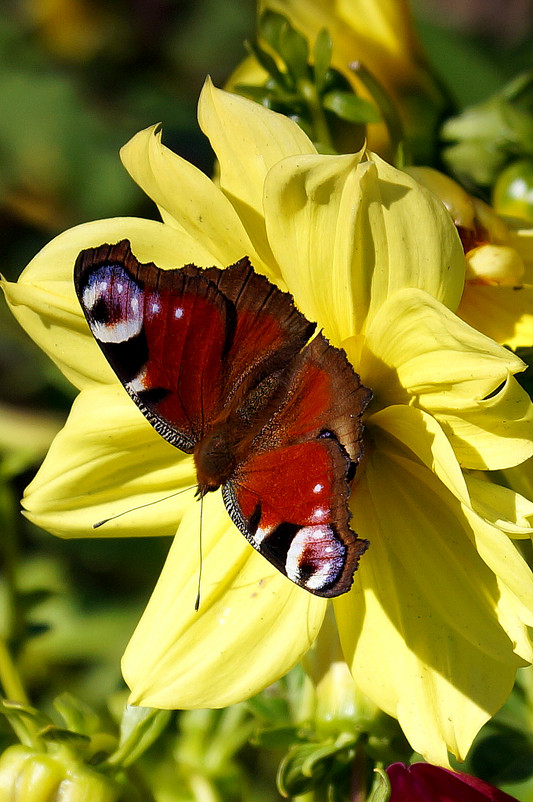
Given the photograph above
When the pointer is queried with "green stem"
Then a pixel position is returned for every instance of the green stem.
(9, 676)
(202, 789)
(358, 784)
(308, 91)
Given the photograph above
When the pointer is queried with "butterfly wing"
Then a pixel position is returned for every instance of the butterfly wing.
(290, 496)
(164, 333)
(184, 341)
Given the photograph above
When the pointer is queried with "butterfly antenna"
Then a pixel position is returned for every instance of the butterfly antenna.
(140, 507)
(197, 602)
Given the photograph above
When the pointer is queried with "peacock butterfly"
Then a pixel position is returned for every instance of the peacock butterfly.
(225, 367)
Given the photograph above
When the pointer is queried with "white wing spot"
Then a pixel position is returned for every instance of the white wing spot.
(303, 553)
(318, 488)
(178, 312)
(319, 514)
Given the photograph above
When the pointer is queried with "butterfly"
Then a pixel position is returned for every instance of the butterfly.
(225, 367)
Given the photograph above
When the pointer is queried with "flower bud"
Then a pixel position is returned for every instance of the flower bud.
(30, 776)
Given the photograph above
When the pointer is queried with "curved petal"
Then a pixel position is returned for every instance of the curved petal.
(520, 478)
(421, 630)
(107, 460)
(503, 508)
(252, 625)
(503, 313)
(416, 351)
(44, 302)
(310, 207)
(347, 234)
(424, 437)
(248, 140)
(188, 199)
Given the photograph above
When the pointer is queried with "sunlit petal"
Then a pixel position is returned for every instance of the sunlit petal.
(416, 351)
(248, 140)
(199, 208)
(430, 655)
(253, 624)
(500, 506)
(503, 313)
(108, 459)
(384, 232)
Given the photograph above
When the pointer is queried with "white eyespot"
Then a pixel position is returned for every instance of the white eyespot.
(113, 302)
(93, 292)
(307, 551)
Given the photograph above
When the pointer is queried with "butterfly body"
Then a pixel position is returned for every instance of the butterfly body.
(226, 368)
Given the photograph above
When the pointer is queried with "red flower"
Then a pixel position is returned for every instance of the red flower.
(423, 782)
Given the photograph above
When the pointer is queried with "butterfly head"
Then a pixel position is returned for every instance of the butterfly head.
(215, 459)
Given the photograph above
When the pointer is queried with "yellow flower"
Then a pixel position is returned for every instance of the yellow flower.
(498, 293)
(435, 625)
(381, 36)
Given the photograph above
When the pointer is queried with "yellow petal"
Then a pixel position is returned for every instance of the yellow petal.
(252, 626)
(500, 506)
(514, 577)
(311, 204)
(495, 264)
(44, 302)
(522, 240)
(503, 313)
(425, 438)
(416, 351)
(187, 198)
(108, 459)
(421, 629)
(520, 478)
(248, 140)
(347, 234)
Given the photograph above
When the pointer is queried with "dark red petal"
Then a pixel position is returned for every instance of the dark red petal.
(423, 782)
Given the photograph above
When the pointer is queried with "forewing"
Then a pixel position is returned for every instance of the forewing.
(269, 330)
(165, 333)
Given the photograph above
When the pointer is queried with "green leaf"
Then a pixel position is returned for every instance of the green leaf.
(139, 728)
(349, 107)
(276, 737)
(322, 58)
(294, 50)
(54, 734)
(309, 765)
(270, 27)
(266, 61)
(76, 714)
(260, 94)
(381, 787)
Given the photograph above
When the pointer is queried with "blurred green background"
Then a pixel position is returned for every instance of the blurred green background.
(77, 79)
